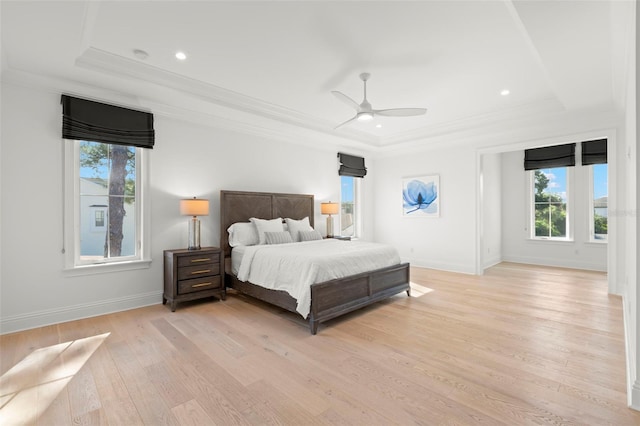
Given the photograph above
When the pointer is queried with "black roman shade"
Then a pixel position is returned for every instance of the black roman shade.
(550, 156)
(594, 152)
(94, 121)
(351, 165)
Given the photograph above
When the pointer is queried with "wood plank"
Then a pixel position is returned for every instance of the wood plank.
(521, 344)
(191, 413)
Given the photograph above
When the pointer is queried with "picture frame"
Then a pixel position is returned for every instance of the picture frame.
(421, 196)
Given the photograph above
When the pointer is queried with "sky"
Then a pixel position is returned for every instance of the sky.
(600, 180)
(558, 181)
(347, 188)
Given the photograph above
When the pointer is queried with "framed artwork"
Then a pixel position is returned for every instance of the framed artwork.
(421, 196)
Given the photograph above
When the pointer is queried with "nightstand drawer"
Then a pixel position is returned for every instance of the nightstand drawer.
(198, 271)
(199, 284)
(192, 275)
(198, 259)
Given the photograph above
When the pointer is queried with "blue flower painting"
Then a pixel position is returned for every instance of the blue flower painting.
(420, 196)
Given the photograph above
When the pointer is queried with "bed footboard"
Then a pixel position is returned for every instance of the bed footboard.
(333, 298)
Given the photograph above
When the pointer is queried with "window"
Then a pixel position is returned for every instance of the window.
(349, 206)
(99, 214)
(105, 185)
(99, 219)
(550, 207)
(598, 201)
(104, 188)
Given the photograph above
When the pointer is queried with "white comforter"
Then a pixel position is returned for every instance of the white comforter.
(294, 267)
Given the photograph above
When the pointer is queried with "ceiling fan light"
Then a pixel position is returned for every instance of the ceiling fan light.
(365, 116)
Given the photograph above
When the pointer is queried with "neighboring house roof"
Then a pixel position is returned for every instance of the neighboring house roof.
(600, 202)
(99, 181)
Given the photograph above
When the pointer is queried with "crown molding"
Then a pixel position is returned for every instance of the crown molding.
(207, 105)
(519, 130)
(220, 117)
(478, 121)
(134, 70)
(121, 67)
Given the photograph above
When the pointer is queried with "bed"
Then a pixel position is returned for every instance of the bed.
(329, 299)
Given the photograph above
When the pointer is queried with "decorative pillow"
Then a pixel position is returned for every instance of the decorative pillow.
(277, 237)
(264, 225)
(243, 234)
(310, 235)
(295, 226)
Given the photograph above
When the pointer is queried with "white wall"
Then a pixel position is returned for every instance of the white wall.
(516, 244)
(491, 203)
(188, 160)
(631, 294)
(447, 242)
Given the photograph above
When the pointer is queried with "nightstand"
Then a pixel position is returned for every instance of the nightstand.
(192, 274)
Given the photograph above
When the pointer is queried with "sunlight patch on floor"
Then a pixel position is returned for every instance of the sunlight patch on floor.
(30, 386)
(418, 290)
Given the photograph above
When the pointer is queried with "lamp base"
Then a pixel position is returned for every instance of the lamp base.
(194, 234)
(329, 226)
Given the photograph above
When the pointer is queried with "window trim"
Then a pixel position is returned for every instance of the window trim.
(71, 216)
(531, 206)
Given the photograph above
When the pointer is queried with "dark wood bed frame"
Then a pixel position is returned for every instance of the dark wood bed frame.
(329, 299)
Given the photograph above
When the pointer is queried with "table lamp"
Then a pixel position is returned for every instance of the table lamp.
(329, 208)
(194, 207)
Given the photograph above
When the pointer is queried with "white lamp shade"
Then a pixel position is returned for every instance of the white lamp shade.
(194, 207)
(329, 208)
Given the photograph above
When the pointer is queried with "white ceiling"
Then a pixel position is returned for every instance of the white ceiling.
(279, 61)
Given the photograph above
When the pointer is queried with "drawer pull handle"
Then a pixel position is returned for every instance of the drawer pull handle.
(200, 260)
(200, 285)
(204, 271)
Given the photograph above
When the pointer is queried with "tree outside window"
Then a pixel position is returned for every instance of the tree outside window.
(550, 203)
(108, 176)
(599, 202)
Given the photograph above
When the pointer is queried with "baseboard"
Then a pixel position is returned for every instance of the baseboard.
(71, 313)
(488, 263)
(442, 266)
(635, 396)
(633, 385)
(559, 263)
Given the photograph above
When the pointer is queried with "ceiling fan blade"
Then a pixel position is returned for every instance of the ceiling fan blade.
(400, 112)
(347, 100)
(346, 122)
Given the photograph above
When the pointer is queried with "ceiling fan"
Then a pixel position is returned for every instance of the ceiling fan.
(364, 111)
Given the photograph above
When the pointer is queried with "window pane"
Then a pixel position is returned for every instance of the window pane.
(92, 236)
(99, 218)
(542, 220)
(107, 201)
(347, 206)
(600, 201)
(129, 228)
(550, 203)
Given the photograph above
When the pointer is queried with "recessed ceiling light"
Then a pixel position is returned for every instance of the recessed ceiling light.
(181, 56)
(379, 126)
(140, 54)
(505, 92)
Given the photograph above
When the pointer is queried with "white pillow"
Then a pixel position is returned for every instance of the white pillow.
(264, 225)
(295, 226)
(243, 234)
(310, 235)
(278, 237)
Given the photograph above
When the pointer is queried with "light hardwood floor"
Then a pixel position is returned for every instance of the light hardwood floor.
(519, 345)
